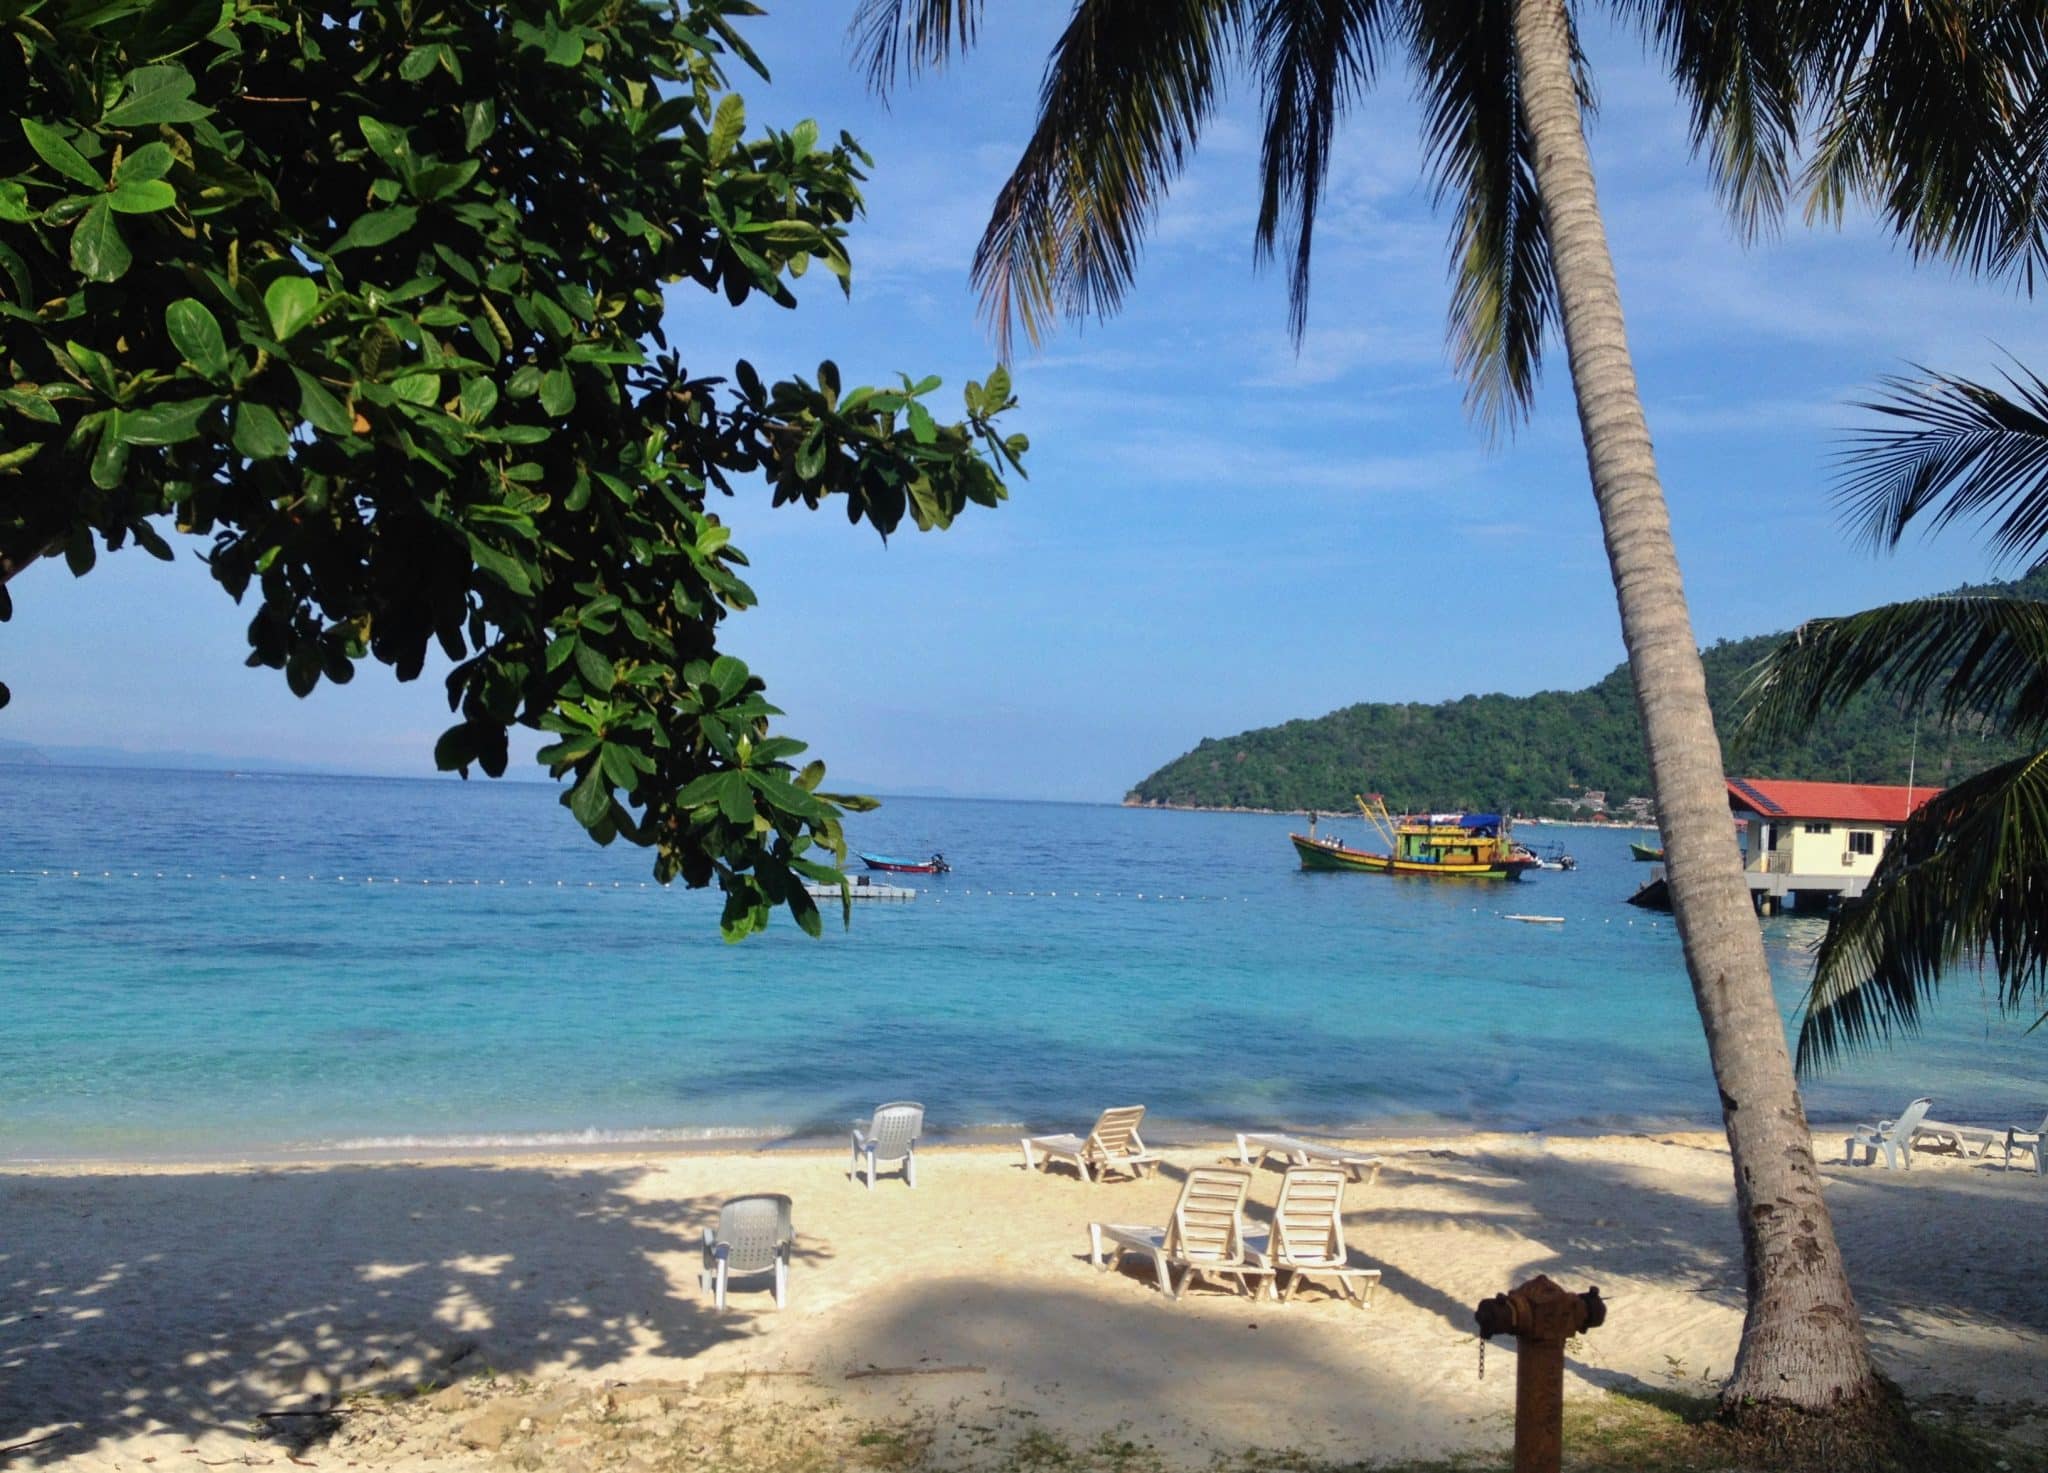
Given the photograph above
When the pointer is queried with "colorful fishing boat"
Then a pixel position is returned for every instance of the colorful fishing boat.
(1645, 853)
(936, 865)
(1438, 846)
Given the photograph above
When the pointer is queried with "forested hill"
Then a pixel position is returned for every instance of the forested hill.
(1522, 752)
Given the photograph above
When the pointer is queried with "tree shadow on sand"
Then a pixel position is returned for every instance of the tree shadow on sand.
(131, 1312)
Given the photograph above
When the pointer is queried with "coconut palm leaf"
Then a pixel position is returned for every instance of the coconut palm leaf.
(1316, 57)
(1125, 94)
(1738, 65)
(1936, 118)
(1977, 657)
(896, 37)
(1478, 153)
(1965, 878)
(1970, 450)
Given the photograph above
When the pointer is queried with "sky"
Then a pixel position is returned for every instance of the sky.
(1220, 529)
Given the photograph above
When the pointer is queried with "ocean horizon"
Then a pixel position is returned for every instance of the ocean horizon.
(207, 964)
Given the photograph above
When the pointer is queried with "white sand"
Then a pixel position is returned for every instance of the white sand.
(153, 1311)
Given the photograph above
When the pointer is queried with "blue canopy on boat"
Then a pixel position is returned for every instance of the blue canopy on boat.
(1481, 821)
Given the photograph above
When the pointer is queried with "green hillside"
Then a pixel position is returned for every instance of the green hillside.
(1524, 752)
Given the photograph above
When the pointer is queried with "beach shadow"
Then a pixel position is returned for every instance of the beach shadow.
(131, 1312)
(1593, 1222)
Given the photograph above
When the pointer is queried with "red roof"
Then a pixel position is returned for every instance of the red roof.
(1846, 802)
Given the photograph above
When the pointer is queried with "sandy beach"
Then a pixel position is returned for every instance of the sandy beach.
(166, 1316)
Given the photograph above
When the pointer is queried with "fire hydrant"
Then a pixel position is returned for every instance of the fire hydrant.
(1541, 1316)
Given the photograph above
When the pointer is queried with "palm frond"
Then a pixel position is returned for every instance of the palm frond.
(1737, 65)
(1981, 657)
(1315, 56)
(1971, 450)
(893, 38)
(1126, 91)
(1481, 160)
(1934, 115)
(1965, 879)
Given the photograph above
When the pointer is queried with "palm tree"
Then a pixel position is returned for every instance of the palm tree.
(1967, 876)
(1126, 91)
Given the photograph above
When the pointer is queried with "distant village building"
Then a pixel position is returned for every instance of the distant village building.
(1808, 843)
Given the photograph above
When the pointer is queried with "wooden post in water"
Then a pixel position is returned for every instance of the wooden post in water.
(1541, 1316)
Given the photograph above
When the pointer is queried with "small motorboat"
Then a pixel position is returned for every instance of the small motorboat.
(936, 865)
(1645, 853)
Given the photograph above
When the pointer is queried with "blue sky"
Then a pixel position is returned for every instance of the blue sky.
(1219, 531)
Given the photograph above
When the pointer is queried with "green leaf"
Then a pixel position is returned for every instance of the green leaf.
(110, 462)
(98, 253)
(156, 94)
(165, 424)
(55, 150)
(142, 196)
(31, 406)
(423, 389)
(565, 48)
(735, 797)
(151, 161)
(810, 455)
(378, 227)
(726, 127)
(419, 61)
(320, 407)
(291, 302)
(14, 203)
(595, 668)
(506, 569)
(591, 799)
(389, 144)
(921, 427)
(195, 332)
(479, 397)
(258, 433)
(557, 392)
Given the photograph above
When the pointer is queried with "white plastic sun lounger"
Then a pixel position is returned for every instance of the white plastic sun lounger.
(1964, 1140)
(1204, 1239)
(1893, 1137)
(1113, 1145)
(1292, 1148)
(1308, 1234)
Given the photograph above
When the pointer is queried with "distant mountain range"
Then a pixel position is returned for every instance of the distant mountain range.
(1524, 753)
(26, 754)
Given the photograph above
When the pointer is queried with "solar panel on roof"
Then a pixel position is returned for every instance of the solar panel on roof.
(1756, 798)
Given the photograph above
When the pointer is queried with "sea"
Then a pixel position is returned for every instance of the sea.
(219, 965)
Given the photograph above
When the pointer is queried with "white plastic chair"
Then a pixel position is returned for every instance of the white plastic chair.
(2027, 1140)
(753, 1236)
(1893, 1137)
(891, 1136)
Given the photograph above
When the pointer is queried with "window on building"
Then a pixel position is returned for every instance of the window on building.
(1820, 828)
(1862, 841)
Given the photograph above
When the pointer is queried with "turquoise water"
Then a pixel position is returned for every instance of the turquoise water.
(268, 963)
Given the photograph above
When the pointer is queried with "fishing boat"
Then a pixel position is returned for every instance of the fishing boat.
(1645, 853)
(936, 865)
(1438, 846)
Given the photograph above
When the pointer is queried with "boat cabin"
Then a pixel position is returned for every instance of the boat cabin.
(1449, 838)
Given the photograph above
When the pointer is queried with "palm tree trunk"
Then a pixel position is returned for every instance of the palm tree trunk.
(1802, 1341)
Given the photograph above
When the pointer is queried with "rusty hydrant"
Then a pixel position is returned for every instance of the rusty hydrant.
(1541, 1316)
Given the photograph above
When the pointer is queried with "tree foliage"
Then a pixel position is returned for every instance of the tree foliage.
(368, 295)
(1966, 879)
(1523, 752)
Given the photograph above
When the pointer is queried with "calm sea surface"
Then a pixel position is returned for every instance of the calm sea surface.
(281, 963)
